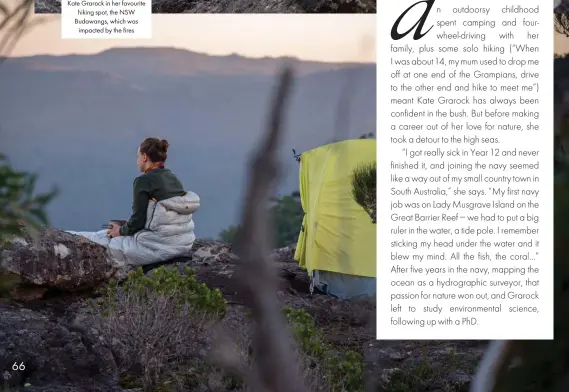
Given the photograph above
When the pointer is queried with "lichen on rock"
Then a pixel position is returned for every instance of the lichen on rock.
(57, 260)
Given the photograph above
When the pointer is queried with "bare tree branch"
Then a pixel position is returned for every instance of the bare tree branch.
(14, 23)
(275, 364)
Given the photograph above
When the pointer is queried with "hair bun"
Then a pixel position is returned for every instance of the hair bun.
(163, 145)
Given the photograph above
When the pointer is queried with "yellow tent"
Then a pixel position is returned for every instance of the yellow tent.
(337, 235)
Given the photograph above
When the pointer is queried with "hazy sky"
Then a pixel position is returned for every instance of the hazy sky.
(311, 37)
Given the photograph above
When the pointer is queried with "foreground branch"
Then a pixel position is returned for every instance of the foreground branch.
(15, 22)
(275, 365)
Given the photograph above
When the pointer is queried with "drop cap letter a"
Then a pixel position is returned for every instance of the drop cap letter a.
(395, 35)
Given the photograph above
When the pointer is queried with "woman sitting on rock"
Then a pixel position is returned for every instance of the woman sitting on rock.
(161, 226)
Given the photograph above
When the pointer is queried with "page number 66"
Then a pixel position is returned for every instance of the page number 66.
(21, 366)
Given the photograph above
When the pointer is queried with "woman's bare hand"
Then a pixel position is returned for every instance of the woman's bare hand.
(114, 230)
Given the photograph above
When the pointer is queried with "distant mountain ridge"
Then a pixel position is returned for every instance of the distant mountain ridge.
(166, 61)
(77, 120)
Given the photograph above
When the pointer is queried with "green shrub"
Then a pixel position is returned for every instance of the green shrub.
(344, 369)
(21, 210)
(156, 322)
(364, 188)
(183, 289)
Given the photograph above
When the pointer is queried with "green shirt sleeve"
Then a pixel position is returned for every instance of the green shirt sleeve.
(140, 198)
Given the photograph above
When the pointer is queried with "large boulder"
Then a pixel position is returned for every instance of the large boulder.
(56, 260)
(63, 261)
(53, 355)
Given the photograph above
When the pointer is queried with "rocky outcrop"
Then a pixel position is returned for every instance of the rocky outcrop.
(266, 6)
(62, 350)
(56, 260)
(412, 365)
(59, 260)
(211, 251)
(284, 254)
(52, 356)
(239, 6)
(47, 6)
(339, 6)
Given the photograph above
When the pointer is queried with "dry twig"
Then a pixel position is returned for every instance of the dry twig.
(151, 331)
(14, 23)
(275, 363)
